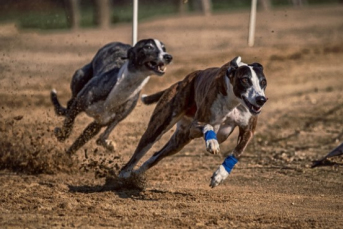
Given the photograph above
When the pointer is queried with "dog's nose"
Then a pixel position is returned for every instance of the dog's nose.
(167, 58)
(260, 100)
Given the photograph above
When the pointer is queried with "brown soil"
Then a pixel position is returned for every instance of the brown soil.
(272, 186)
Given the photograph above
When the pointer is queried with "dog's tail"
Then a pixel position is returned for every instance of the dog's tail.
(59, 110)
(150, 99)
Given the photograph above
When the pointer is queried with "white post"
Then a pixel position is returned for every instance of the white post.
(252, 23)
(134, 22)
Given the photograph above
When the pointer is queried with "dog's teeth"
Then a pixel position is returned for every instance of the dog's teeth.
(257, 109)
(162, 68)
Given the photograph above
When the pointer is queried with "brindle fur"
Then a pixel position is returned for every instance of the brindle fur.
(187, 103)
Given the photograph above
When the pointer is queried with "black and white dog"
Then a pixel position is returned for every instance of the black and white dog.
(108, 88)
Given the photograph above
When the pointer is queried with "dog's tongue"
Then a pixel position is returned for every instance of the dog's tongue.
(256, 109)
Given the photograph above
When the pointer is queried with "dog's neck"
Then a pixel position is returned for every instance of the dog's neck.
(225, 102)
(232, 101)
(129, 84)
(128, 73)
(131, 66)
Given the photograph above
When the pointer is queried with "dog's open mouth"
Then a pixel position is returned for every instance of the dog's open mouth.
(159, 68)
(255, 110)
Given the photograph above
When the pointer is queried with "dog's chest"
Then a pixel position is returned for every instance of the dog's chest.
(221, 107)
(126, 88)
(239, 115)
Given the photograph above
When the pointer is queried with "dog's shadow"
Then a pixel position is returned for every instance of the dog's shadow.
(134, 188)
(124, 188)
(325, 163)
(121, 192)
(125, 193)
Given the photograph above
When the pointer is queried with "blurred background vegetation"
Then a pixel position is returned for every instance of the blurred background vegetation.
(66, 14)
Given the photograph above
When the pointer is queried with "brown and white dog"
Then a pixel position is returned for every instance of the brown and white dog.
(208, 103)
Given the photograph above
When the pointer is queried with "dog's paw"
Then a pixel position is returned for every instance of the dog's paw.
(107, 144)
(124, 174)
(212, 146)
(218, 176)
(136, 182)
(211, 141)
(60, 135)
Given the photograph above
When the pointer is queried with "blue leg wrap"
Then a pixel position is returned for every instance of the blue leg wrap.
(210, 134)
(229, 163)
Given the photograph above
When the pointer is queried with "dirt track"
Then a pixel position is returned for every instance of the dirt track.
(271, 187)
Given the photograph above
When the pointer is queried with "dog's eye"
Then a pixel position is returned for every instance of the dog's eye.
(149, 47)
(263, 83)
(164, 48)
(244, 80)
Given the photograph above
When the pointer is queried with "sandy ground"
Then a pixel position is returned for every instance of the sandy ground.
(272, 186)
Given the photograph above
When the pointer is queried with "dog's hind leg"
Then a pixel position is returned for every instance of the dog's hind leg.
(59, 109)
(171, 107)
(151, 135)
(163, 118)
(63, 133)
(91, 130)
(180, 138)
(79, 80)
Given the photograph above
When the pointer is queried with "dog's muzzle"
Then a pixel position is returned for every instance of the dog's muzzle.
(159, 66)
(256, 108)
(168, 58)
(261, 100)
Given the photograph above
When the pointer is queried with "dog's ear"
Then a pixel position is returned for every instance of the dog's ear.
(256, 65)
(230, 71)
(234, 63)
(131, 54)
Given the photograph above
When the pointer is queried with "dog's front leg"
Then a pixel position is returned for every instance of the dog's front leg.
(211, 140)
(199, 129)
(245, 135)
(103, 138)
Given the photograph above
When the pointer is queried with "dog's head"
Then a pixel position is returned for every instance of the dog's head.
(149, 56)
(248, 83)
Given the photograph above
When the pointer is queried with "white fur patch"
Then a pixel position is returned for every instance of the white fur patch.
(212, 146)
(127, 86)
(239, 62)
(223, 105)
(255, 90)
(218, 176)
(240, 115)
(206, 128)
(159, 46)
(124, 174)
